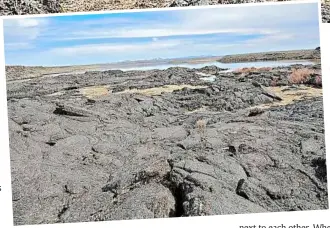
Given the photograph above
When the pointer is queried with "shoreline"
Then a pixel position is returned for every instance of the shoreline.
(16, 72)
(308, 54)
(82, 70)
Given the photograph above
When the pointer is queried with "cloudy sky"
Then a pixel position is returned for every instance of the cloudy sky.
(105, 38)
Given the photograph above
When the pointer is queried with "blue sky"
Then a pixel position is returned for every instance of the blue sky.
(113, 37)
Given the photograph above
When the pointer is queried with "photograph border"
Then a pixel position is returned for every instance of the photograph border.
(287, 218)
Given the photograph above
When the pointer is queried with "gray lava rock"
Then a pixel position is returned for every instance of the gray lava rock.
(325, 11)
(195, 151)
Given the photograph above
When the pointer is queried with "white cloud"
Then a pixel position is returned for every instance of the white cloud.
(29, 22)
(245, 20)
(22, 32)
(14, 46)
(168, 47)
(277, 26)
(111, 49)
(271, 39)
(24, 22)
(160, 32)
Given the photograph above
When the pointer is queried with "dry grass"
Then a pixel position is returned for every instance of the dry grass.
(252, 69)
(95, 91)
(27, 72)
(290, 96)
(201, 128)
(300, 76)
(159, 90)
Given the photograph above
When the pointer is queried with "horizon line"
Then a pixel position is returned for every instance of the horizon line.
(151, 59)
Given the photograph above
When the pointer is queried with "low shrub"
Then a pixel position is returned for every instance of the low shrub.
(306, 76)
(252, 69)
(300, 76)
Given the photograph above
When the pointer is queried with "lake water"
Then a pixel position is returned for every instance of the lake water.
(230, 66)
